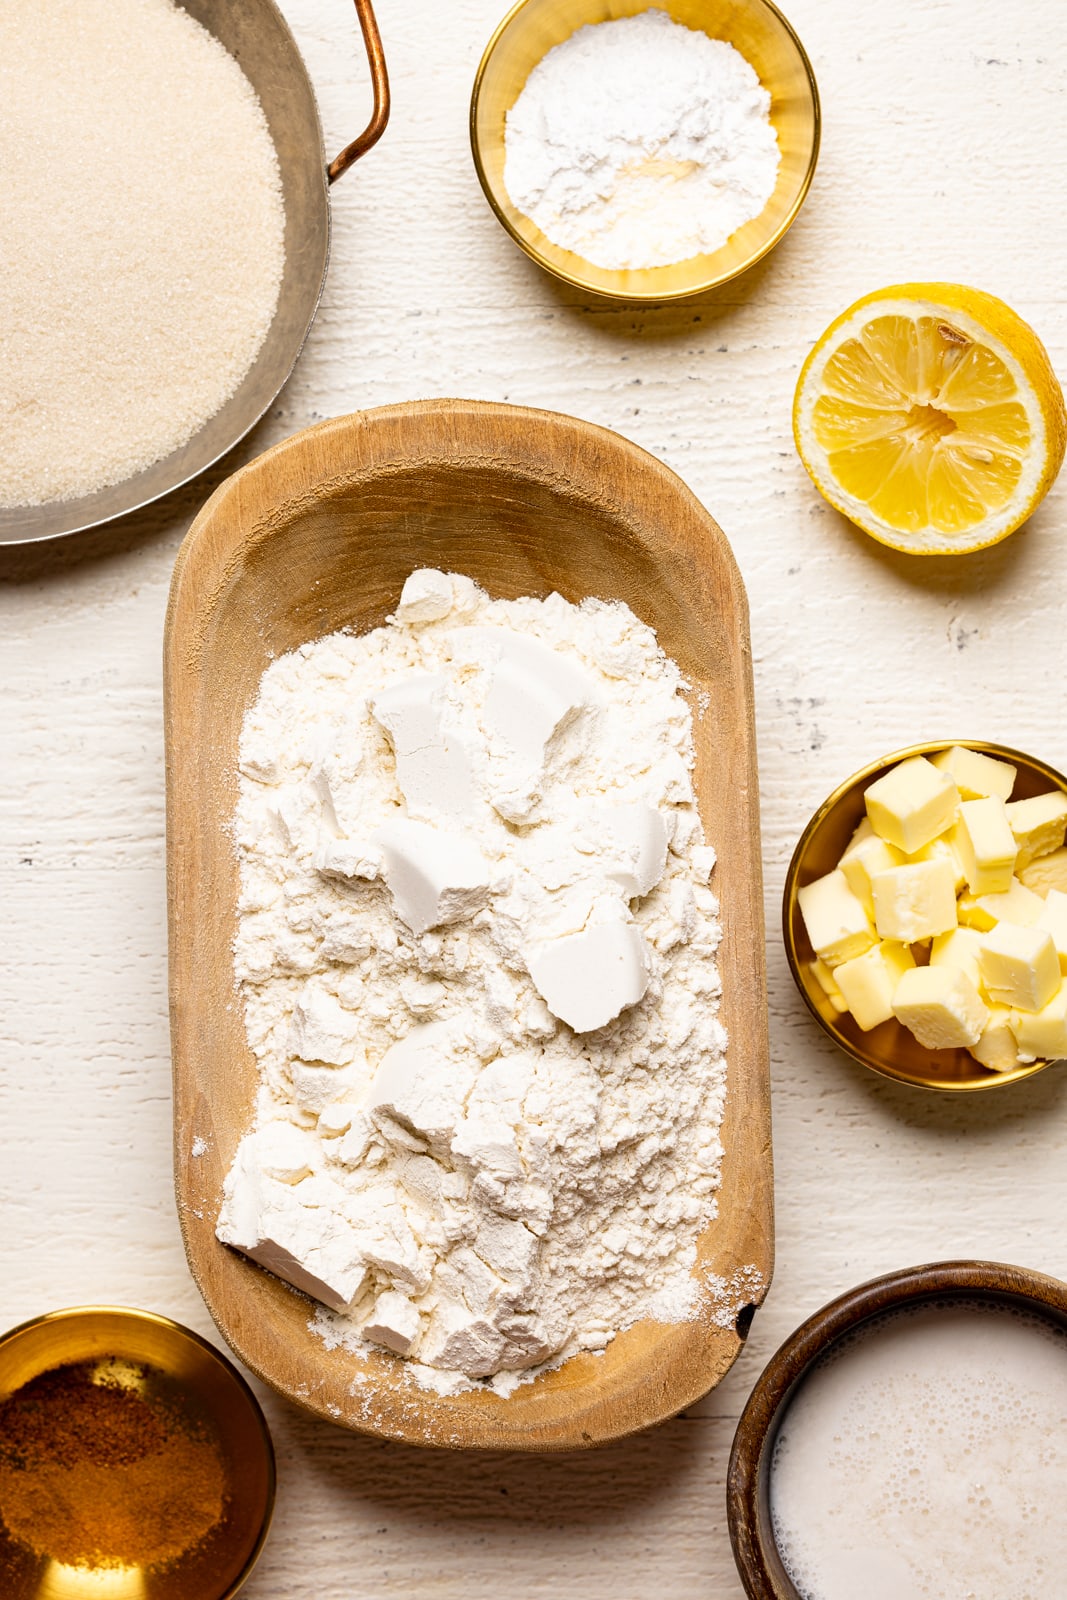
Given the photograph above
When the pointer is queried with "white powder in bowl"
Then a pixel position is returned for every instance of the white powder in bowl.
(639, 142)
(141, 236)
(461, 1176)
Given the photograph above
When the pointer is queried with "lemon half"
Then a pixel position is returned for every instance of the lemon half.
(929, 414)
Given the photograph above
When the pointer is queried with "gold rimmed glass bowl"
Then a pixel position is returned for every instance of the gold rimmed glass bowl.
(754, 27)
(890, 1049)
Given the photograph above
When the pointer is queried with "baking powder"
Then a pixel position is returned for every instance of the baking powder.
(639, 142)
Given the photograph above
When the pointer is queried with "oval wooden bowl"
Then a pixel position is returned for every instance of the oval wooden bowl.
(748, 1480)
(890, 1049)
(319, 534)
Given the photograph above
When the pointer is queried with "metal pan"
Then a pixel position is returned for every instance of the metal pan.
(257, 36)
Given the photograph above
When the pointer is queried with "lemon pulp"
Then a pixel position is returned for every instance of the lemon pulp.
(934, 426)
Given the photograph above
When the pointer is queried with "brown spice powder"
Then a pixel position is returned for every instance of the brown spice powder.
(96, 1470)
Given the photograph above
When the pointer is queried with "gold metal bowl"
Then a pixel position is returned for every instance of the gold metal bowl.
(762, 35)
(759, 1563)
(170, 1363)
(890, 1049)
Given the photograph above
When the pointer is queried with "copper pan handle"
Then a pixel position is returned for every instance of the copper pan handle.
(380, 82)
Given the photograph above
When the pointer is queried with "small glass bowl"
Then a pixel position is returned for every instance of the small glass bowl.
(890, 1049)
(763, 36)
(178, 1362)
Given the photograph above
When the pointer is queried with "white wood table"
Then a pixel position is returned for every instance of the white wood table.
(944, 156)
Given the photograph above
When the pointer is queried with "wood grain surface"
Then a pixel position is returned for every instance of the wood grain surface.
(319, 534)
(944, 156)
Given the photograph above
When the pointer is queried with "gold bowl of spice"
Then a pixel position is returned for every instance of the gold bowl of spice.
(134, 1461)
(645, 153)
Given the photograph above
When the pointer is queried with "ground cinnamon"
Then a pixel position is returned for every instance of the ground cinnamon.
(101, 1466)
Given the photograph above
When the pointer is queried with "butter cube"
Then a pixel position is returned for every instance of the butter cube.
(868, 982)
(862, 830)
(862, 860)
(986, 845)
(959, 949)
(997, 1049)
(1053, 920)
(942, 849)
(912, 804)
(916, 901)
(1019, 966)
(941, 1006)
(974, 774)
(837, 923)
(824, 977)
(1043, 1033)
(1046, 872)
(983, 911)
(1038, 824)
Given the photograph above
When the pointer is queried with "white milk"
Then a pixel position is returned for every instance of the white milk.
(925, 1458)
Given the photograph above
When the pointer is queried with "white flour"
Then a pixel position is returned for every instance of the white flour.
(459, 1175)
(639, 142)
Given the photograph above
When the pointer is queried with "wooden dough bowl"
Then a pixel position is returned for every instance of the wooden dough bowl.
(319, 534)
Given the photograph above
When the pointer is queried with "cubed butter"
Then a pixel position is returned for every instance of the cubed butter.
(1043, 1034)
(1053, 920)
(837, 923)
(986, 845)
(824, 977)
(1019, 966)
(997, 1049)
(912, 804)
(983, 911)
(862, 830)
(1038, 824)
(917, 901)
(958, 948)
(942, 849)
(862, 860)
(868, 982)
(976, 775)
(941, 1007)
(1045, 873)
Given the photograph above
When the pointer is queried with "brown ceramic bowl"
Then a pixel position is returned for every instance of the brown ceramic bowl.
(748, 1480)
(890, 1049)
(172, 1363)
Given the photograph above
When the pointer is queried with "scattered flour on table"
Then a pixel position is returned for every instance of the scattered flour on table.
(453, 831)
(640, 142)
(141, 235)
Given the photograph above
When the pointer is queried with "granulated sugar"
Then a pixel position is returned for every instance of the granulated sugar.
(141, 236)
